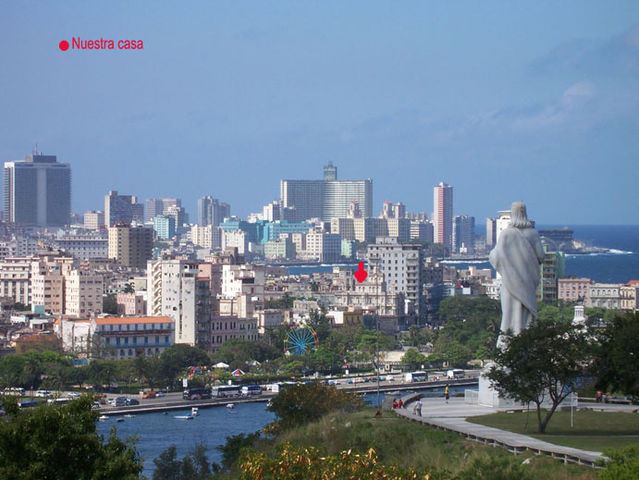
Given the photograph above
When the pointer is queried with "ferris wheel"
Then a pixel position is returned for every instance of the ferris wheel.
(300, 339)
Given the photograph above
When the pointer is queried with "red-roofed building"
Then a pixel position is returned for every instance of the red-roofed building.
(129, 337)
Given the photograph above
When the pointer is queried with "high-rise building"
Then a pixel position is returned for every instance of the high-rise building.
(327, 198)
(130, 246)
(463, 234)
(82, 294)
(37, 191)
(210, 211)
(164, 227)
(122, 209)
(491, 232)
(160, 206)
(443, 214)
(401, 267)
(174, 290)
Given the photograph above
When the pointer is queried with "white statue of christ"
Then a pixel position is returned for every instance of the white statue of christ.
(517, 257)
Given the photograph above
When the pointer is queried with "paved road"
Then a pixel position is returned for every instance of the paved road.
(452, 416)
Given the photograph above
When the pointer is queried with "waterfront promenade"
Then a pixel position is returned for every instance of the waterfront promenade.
(452, 416)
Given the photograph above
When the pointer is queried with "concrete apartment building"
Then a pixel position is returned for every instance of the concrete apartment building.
(401, 267)
(130, 246)
(94, 220)
(15, 279)
(240, 280)
(324, 247)
(37, 191)
(83, 294)
(208, 236)
(84, 245)
(574, 289)
(131, 304)
(175, 289)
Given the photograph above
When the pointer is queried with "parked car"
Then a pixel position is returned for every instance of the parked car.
(73, 395)
(132, 401)
(43, 394)
(96, 405)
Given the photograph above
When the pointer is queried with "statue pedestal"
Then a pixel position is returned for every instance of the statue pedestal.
(488, 396)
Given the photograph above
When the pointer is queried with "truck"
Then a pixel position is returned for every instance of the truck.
(455, 373)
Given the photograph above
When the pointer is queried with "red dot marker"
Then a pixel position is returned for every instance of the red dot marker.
(64, 45)
(360, 274)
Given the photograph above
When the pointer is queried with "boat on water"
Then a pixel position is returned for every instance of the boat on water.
(195, 411)
(128, 415)
(119, 419)
(184, 417)
(230, 406)
(103, 418)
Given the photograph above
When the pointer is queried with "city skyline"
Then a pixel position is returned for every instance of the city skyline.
(504, 102)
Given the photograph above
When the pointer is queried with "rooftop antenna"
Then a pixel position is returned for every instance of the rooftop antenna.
(35, 149)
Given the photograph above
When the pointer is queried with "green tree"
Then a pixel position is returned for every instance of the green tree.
(413, 359)
(238, 352)
(180, 356)
(61, 442)
(302, 403)
(109, 304)
(543, 363)
(194, 465)
(471, 322)
(616, 364)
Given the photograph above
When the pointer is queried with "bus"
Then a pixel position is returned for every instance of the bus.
(416, 377)
(248, 390)
(228, 391)
(196, 393)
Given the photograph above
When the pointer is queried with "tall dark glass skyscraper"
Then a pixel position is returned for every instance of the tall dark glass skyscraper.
(37, 191)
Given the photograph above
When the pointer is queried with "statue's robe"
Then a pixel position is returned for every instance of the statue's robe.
(517, 257)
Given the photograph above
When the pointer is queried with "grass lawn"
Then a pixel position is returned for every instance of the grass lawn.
(593, 431)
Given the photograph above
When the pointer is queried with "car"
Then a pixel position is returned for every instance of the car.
(95, 405)
(43, 394)
(160, 394)
(73, 395)
(149, 395)
(120, 402)
(132, 401)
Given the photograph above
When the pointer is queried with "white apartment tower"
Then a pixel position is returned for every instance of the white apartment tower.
(400, 264)
(175, 291)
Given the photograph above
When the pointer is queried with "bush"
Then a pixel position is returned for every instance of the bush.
(296, 463)
(623, 464)
(302, 403)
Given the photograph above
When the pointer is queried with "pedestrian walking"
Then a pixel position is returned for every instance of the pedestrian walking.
(418, 408)
(446, 393)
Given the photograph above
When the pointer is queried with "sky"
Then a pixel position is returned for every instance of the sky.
(505, 101)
